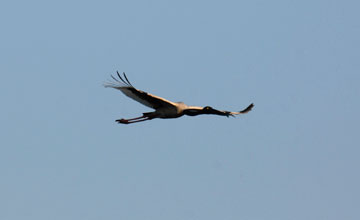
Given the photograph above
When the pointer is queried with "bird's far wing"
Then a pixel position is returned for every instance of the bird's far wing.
(246, 110)
(144, 98)
(227, 113)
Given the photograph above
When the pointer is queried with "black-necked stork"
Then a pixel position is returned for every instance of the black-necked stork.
(163, 108)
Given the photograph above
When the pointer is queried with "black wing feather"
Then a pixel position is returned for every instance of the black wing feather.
(117, 72)
(144, 98)
(127, 79)
(115, 78)
(247, 109)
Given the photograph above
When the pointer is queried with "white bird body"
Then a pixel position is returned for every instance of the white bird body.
(163, 108)
(174, 111)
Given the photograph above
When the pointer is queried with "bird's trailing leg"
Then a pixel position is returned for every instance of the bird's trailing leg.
(133, 120)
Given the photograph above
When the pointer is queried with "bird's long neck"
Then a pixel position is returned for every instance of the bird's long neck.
(193, 111)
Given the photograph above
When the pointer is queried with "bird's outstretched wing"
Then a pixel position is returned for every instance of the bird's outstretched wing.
(246, 110)
(144, 98)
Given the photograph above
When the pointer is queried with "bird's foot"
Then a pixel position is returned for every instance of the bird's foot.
(122, 121)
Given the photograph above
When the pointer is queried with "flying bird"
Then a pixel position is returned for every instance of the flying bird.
(163, 108)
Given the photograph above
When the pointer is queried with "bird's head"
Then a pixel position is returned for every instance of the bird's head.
(208, 110)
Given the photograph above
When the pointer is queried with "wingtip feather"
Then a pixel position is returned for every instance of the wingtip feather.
(247, 109)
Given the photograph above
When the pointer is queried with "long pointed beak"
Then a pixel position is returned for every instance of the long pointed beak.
(217, 112)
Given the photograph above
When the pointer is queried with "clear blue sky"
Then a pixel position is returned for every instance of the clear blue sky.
(295, 156)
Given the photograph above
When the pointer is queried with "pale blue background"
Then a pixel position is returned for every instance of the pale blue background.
(294, 157)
